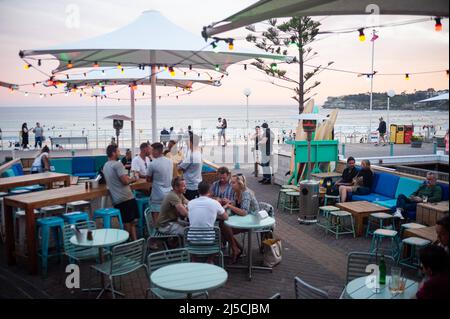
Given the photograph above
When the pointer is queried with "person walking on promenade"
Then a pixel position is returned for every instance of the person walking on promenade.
(24, 134)
(382, 130)
(38, 135)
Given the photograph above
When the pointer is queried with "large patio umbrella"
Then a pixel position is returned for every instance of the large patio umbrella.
(150, 40)
(267, 9)
(112, 76)
(441, 97)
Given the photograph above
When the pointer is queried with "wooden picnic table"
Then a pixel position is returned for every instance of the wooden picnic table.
(428, 233)
(360, 211)
(326, 175)
(31, 201)
(429, 213)
(47, 178)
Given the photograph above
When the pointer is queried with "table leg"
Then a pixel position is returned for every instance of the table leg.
(249, 253)
(359, 225)
(67, 181)
(31, 240)
(9, 233)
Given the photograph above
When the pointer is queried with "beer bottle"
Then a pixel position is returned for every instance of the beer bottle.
(382, 270)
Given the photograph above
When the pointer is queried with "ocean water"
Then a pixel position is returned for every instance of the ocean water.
(78, 121)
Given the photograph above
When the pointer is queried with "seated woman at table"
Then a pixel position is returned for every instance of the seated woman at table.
(442, 232)
(245, 203)
(41, 162)
(434, 266)
(361, 183)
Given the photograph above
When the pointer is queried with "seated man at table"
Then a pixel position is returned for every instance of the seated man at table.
(174, 209)
(442, 232)
(203, 211)
(349, 173)
(221, 189)
(434, 266)
(118, 183)
(428, 192)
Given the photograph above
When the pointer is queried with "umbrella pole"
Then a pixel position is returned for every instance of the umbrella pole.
(153, 86)
(96, 122)
(133, 138)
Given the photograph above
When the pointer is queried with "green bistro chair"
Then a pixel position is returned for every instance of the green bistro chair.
(282, 196)
(304, 290)
(125, 259)
(154, 233)
(203, 242)
(166, 258)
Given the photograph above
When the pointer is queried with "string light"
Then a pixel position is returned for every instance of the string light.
(122, 70)
(447, 73)
(119, 65)
(39, 62)
(27, 66)
(217, 68)
(172, 71)
(95, 65)
(245, 67)
(69, 64)
(362, 36)
(438, 25)
(407, 76)
(273, 66)
(41, 95)
(230, 44)
(190, 67)
(103, 91)
(26, 94)
(215, 47)
(134, 86)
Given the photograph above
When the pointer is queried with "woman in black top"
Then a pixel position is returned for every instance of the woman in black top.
(24, 133)
(361, 183)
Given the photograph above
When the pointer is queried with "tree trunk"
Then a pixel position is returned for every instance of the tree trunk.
(301, 96)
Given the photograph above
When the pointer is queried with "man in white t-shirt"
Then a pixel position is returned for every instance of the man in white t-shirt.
(204, 211)
(141, 161)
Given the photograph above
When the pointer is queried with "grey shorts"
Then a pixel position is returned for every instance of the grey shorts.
(173, 228)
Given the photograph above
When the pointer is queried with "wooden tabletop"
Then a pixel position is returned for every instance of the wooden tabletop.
(441, 207)
(326, 174)
(64, 195)
(360, 207)
(428, 233)
(7, 183)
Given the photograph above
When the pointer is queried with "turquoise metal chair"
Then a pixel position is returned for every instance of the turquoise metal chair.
(125, 259)
(379, 235)
(291, 202)
(165, 258)
(337, 223)
(106, 214)
(203, 241)
(268, 230)
(142, 203)
(154, 233)
(46, 225)
(304, 290)
(335, 198)
(323, 216)
(75, 217)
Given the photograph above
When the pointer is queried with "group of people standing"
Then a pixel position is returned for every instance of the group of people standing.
(38, 135)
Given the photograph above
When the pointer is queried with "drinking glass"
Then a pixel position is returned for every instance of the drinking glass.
(394, 282)
(425, 199)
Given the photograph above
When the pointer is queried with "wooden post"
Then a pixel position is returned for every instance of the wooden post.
(31, 240)
(9, 232)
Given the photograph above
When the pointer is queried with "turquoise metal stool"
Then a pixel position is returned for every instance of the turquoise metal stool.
(335, 198)
(416, 243)
(75, 217)
(47, 224)
(282, 196)
(336, 223)
(379, 220)
(291, 203)
(106, 214)
(53, 210)
(323, 216)
(142, 203)
(377, 241)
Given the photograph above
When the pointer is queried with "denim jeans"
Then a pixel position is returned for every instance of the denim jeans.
(38, 141)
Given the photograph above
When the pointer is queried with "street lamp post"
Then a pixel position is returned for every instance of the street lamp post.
(247, 93)
(390, 94)
(96, 93)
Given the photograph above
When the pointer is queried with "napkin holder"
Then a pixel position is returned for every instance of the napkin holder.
(262, 214)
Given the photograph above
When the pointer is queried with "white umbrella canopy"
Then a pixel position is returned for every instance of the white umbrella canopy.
(119, 117)
(267, 9)
(441, 97)
(150, 40)
(114, 76)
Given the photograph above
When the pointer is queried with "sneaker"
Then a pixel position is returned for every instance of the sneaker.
(398, 214)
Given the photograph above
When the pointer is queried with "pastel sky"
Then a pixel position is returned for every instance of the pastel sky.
(405, 49)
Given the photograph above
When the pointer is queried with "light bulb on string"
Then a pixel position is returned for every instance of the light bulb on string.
(66, 93)
(122, 70)
(41, 96)
(39, 62)
(26, 94)
(217, 68)
(407, 77)
(172, 71)
(215, 47)
(95, 65)
(134, 86)
(362, 36)
(230, 44)
(190, 67)
(273, 67)
(69, 64)
(447, 73)
(438, 24)
(119, 65)
(26, 66)
(245, 67)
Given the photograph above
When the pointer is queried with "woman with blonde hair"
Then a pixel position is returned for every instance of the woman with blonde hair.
(244, 203)
(362, 183)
